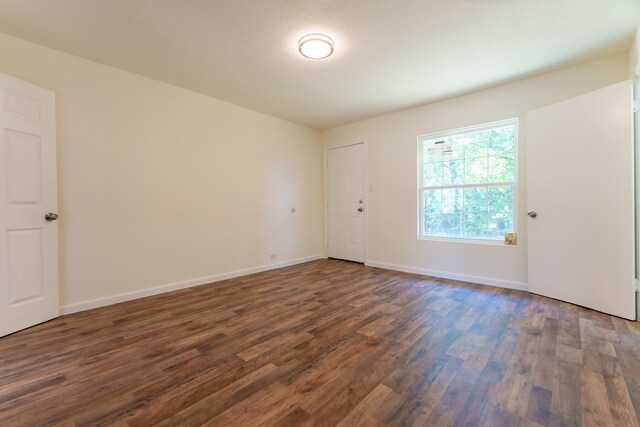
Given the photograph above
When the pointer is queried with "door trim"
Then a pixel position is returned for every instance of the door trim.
(365, 190)
(636, 189)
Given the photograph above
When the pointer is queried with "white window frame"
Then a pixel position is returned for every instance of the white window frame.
(421, 187)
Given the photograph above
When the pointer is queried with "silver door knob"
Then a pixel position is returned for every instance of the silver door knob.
(532, 214)
(359, 209)
(50, 216)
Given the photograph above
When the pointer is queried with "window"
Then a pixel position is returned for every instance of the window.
(468, 182)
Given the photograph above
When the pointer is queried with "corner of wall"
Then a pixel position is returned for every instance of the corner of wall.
(634, 55)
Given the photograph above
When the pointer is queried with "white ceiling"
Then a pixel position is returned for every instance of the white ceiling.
(389, 54)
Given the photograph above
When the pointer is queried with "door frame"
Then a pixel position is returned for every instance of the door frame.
(636, 183)
(365, 195)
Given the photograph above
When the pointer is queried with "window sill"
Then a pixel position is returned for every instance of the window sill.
(465, 240)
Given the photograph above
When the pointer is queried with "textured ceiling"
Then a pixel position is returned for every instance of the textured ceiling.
(389, 54)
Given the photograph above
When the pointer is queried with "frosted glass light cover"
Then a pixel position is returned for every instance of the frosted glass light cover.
(315, 46)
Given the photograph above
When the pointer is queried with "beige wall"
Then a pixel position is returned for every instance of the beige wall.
(159, 185)
(634, 54)
(392, 150)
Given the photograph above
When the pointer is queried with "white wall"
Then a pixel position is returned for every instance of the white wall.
(159, 185)
(392, 150)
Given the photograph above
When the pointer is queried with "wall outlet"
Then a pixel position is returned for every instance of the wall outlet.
(273, 257)
(511, 238)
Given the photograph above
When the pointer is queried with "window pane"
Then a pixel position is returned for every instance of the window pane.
(476, 149)
(475, 199)
(475, 225)
(451, 201)
(452, 151)
(452, 173)
(502, 141)
(498, 224)
(432, 201)
(431, 153)
(476, 170)
(500, 199)
(500, 169)
(480, 137)
(433, 174)
(451, 224)
(432, 225)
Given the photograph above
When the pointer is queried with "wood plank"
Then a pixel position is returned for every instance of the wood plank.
(593, 399)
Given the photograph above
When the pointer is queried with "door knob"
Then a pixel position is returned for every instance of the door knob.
(359, 209)
(532, 214)
(50, 216)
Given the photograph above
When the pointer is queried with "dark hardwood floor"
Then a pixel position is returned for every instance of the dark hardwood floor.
(326, 343)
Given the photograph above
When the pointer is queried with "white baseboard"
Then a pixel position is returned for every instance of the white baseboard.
(101, 302)
(453, 276)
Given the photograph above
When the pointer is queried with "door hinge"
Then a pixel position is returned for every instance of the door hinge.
(636, 285)
(635, 105)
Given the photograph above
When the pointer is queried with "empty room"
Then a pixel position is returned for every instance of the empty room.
(319, 213)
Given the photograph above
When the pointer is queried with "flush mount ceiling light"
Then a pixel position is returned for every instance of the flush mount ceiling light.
(315, 46)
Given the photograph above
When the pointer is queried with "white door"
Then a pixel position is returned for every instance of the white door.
(28, 242)
(346, 203)
(580, 186)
